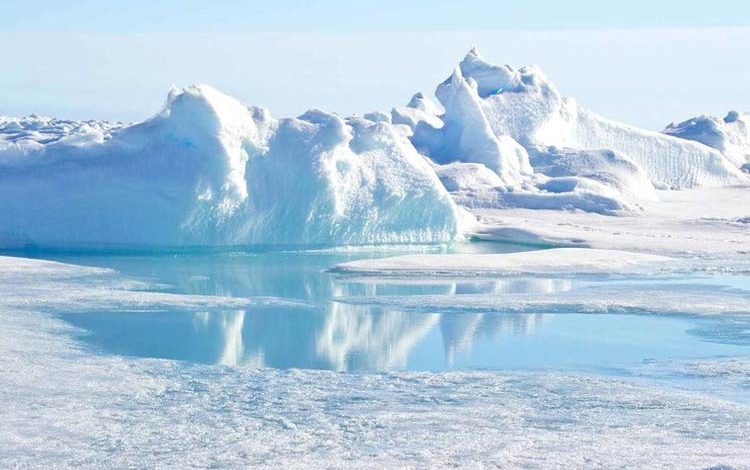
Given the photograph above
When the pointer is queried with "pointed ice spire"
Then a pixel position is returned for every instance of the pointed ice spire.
(490, 78)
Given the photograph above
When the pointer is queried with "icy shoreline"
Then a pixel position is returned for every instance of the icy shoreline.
(63, 406)
(565, 261)
(711, 226)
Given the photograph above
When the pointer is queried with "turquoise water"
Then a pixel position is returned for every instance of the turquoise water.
(322, 332)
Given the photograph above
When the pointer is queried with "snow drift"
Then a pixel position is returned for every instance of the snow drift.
(546, 150)
(208, 170)
(730, 136)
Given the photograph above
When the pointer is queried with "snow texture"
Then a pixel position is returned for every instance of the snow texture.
(64, 407)
(730, 136)
(709, 226)
(547, 151)
(552, 261)
(208, 170)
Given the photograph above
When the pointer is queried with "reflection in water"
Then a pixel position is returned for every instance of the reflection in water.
(233, 345)
(369, 287)
(326, 334)
(346, 337)
(355, 338)
(460, 331)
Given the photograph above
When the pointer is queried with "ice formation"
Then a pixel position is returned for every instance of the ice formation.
(548, 152)
(730, 135)
(208, 170)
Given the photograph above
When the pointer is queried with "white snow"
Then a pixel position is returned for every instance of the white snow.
(639, 299)
(64, 407)
(712, 225)
(730, 135)
(23, 134)
(210, 171)
(552, 261)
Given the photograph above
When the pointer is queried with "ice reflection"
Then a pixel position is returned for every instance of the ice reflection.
(355, 338)
(369, 287)
(233, 343)
(348, 337)
(324, 333)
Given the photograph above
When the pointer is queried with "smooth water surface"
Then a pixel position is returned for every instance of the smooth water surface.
(325, 332)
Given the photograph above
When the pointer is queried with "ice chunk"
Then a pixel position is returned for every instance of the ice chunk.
(422, 103)
(524, 105)
(467, 136)
(209, 170)
(730, 136)
(601, 181)
(605, 166)
(490, 78)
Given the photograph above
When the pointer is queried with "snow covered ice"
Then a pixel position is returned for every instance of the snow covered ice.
(516, 281)
(65, 405)
(730, 135)
(559, 260)
(208, 170)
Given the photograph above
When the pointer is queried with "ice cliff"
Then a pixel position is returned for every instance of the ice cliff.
(209, 170)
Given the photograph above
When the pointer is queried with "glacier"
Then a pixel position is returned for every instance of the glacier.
(210, 171)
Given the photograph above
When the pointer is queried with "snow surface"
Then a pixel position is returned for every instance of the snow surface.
(730, 136)
(707, 225)
(547, 151)
(552, 261)
(208, 170)
(637, 299)
(64, 407)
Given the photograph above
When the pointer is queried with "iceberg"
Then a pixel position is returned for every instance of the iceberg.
(208, 170)
(546, 150)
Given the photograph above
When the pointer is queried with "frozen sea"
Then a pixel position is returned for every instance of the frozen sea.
(296, 364)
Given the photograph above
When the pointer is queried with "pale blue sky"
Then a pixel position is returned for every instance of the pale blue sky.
(357, 16)
(645, 62)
